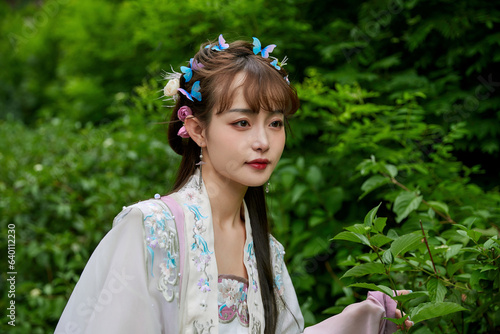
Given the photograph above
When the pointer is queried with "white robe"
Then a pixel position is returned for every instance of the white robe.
(156, 272)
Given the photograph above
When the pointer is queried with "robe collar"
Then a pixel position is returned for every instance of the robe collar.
(198, 306)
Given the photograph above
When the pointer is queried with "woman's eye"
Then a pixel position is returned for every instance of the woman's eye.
(277, 124)
(242, 123)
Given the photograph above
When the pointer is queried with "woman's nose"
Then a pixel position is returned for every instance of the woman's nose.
(260, 140)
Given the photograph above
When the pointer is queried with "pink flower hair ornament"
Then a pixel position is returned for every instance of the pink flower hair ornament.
(182, 113)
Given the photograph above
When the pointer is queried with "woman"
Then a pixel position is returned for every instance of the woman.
(201, 260)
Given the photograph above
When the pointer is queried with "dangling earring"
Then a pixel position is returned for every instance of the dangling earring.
(267, 187)
(200, 180)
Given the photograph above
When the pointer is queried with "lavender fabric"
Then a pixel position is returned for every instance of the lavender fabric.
(361, 318)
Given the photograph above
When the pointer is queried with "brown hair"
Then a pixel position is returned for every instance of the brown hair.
(264, 88)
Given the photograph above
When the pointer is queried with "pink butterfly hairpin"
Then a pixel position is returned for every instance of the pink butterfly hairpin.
(221, 46)
(195, 92)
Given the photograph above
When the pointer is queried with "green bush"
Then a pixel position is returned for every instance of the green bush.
(399, 105)
(417, 179)
(61, 185)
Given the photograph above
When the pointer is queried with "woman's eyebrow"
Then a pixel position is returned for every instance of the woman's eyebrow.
(243, 110)
(250, 111)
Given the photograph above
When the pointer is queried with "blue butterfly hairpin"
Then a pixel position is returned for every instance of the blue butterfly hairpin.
(257, 47)
(195, 91)
(275, 64)
(279, 64)
(188, 71)
(222, 44)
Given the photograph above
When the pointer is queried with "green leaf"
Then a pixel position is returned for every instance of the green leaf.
(373, 183)
(433, 310)
(392, 234)
(475, 277)
(489, 267)
(301, 163)
(391, 169)
(439, 206)
(297, 192)
(421, 330)
(351, 236)
(437, 290)
(405, 243)
(452, 251)
(431, 213)
(464, 234)
(370, 216)
(491, 242)
(358, 228)
(410, 296)
(474, 235)
(365, 269)
(314, 176)
(406, 203)
(379, 224)
(370, 286)
(315, 220)
(453, 267)
(334, 310)
(397, 321)
(387, 257)
(379, 240)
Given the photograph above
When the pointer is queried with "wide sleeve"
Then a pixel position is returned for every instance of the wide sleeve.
(112, 293)
(366, 317)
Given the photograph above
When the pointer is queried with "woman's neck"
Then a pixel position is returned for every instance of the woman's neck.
(226, 199)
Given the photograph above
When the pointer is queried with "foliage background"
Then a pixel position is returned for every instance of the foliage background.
(415, 84)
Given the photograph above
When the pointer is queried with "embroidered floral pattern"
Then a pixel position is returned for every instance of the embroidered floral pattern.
(278, 253)
(256, 327)
(202, 327)
(190, 194)
(203, 284)
(232, 301)
(200, 246)
(253, 265)
(161, 233)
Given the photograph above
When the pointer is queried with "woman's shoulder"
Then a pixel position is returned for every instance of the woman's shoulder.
(150, 210)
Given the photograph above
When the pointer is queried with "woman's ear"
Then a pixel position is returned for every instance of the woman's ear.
(196, 130)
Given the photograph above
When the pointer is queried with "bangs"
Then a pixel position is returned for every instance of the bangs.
(264, 88)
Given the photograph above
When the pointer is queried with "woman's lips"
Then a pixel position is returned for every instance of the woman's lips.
(259, 163)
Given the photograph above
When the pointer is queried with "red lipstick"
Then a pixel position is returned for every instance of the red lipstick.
(259, 163)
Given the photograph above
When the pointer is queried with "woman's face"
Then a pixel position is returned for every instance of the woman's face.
(243, 147)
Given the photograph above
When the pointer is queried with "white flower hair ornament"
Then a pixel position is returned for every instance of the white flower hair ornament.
(171, 88)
